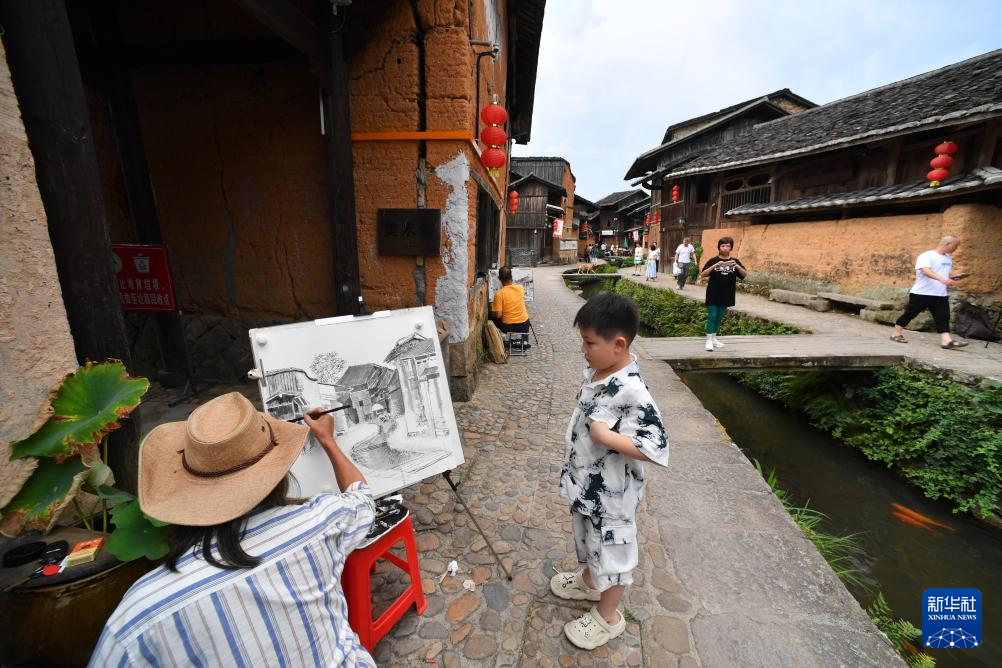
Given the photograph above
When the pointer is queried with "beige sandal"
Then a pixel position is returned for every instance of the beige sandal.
(591, 630)
(571, 586)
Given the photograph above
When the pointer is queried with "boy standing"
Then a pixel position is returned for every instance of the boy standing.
(616, 426)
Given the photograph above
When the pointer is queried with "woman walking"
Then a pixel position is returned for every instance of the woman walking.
(638, 258)
(723, 271)
(652, 263)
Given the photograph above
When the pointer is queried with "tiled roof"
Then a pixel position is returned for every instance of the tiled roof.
(982, 177)
(532, 177)
(411, 346)
(609, 200)
(939, 98)
(783, 92)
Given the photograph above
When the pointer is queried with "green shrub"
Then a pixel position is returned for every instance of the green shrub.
(944, 437)
(670, 314)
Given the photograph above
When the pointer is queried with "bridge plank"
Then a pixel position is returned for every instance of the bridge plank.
(783, 352)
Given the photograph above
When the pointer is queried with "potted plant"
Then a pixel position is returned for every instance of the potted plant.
(70, 482)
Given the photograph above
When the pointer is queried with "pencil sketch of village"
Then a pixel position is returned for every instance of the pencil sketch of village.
(395, 423)
(519, 276)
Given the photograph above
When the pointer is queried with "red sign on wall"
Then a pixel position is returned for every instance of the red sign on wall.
(558, 227)
(143, 276)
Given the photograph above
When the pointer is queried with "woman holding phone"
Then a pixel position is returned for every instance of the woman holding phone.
(723, 271)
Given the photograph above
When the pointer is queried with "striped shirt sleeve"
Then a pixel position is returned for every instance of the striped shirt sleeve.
(359, 513)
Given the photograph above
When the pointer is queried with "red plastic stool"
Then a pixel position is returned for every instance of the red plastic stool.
(357, 585)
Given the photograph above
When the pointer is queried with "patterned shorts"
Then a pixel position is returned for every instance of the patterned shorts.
(608, 546)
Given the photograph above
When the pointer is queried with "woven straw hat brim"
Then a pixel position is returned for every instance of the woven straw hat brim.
(169, 493)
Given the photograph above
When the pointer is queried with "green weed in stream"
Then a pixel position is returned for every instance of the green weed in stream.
(944, 437)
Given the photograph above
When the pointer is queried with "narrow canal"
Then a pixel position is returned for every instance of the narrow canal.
(904, 554)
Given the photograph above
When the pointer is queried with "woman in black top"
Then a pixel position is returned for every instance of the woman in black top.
(723, 271)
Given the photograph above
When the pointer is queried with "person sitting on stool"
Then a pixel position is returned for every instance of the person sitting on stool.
(508, 310)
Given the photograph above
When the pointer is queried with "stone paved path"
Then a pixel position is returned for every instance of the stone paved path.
(725, 578)
(970, 365)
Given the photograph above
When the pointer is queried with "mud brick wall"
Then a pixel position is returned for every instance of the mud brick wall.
(36, 350)
(871, 256)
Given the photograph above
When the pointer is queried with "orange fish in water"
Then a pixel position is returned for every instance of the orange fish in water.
(908, 520)
(917, 519)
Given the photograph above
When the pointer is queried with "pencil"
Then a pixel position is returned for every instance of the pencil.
(330, 410)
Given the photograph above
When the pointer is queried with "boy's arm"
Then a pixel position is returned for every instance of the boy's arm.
(602, 434)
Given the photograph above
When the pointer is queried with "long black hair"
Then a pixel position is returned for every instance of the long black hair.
(226, 535)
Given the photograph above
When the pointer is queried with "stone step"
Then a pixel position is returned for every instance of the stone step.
(800, 299)
(873, 304)
(921, 323)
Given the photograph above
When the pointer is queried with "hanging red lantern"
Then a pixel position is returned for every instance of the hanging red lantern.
(946, 148)
(943, 159)
(657, 218)
(513, 194)
(493, 136)
(494, 159)
(494, 114)
(647, 219)
(675, 194)
(513, 201)
(936, 175)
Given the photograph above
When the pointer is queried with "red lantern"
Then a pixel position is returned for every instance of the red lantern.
(942, 161)
(513, 194)
(493, 114)
(675, 195)
(647, 219)
(936, 175)
(657, 218)
(493, 136)
(494, 159)
(513, 201)
(946, 148)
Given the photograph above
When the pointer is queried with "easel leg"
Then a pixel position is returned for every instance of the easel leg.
(448, 478)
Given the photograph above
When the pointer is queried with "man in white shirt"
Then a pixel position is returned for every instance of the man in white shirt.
(683, 258)
(933, 275)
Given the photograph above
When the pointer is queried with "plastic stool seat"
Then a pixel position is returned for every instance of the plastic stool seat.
(357, 584)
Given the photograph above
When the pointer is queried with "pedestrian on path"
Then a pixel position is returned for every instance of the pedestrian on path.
(615, 427)
(252, 577)
(638, 258)
(723, 271)
(652, 263)
(933, 275)
(683, 258)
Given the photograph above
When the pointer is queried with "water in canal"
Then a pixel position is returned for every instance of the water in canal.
(904, 556)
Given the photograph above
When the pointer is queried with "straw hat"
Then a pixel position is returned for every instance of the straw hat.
(217, 465)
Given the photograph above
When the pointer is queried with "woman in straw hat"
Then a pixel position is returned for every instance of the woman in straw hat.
(252, 577)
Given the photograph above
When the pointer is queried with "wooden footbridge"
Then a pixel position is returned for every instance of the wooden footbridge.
(794, 352)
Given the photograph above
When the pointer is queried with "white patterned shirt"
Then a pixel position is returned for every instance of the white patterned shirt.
(596, 480)
(287, 611)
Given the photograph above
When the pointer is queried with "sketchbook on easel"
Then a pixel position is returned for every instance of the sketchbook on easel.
(387, 374)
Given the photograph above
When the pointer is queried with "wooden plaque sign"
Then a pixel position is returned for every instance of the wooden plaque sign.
(409, 231)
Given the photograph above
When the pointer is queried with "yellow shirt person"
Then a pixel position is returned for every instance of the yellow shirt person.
(509, 304)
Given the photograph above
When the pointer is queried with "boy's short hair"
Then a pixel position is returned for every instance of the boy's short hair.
(609, 315)
(725, 240)
(504, 274)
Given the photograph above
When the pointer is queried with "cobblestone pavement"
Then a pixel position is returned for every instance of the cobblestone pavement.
(970, 365)
(725, 577)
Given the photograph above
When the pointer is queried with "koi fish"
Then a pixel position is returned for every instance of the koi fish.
(909, 516)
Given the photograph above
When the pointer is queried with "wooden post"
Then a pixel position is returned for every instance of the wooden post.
(341, 178)
(46, 76)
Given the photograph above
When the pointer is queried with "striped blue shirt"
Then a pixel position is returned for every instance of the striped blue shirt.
(287, 611)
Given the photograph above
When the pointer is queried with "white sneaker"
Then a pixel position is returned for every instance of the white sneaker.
(709, 342)
(716, 343)
(571, 586)
(591, 631)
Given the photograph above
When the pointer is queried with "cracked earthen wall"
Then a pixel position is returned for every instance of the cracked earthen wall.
(237, 163)
(36, 350)
(871, 256)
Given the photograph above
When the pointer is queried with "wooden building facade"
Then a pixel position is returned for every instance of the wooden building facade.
(836, 196)
(545, 187)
